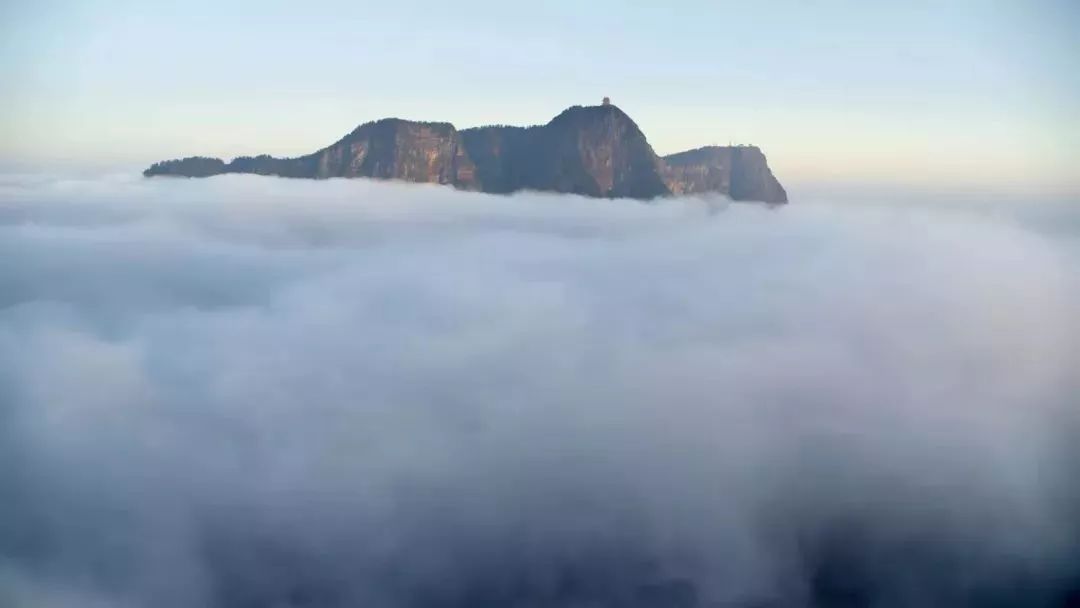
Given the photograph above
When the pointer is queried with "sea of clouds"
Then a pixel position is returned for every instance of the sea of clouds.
(254, 392)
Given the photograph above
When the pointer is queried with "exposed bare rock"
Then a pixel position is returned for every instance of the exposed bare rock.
(595, 151)
(741, 172)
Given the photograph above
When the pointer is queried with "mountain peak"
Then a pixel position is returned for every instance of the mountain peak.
(600, 151)
(590, 112)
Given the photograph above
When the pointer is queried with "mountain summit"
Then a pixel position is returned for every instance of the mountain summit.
(594, 151)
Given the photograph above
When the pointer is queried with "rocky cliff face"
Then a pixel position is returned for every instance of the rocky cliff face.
(739, 171)
(598, 151)
(594, 151)
(399, 149)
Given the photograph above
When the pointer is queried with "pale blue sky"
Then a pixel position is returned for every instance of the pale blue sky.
(939, 93)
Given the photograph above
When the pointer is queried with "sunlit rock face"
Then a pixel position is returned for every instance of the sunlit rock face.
(595, 151)
(429, 152)
(741, 172)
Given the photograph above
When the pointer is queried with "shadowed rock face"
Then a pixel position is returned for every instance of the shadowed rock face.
(594, 151)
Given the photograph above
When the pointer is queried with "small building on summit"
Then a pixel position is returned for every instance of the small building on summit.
(607, 101)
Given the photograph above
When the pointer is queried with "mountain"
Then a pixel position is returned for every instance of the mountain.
(595, 151)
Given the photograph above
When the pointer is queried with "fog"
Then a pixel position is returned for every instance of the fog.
(248, 392)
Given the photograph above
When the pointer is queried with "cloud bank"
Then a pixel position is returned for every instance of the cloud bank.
(247, 392)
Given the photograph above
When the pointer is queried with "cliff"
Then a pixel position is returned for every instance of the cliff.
(739, 171)
(387, 149)
(399, 149)
(594, 151)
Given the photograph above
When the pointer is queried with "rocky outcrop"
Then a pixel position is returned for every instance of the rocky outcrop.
(594, 151)
(399, 149)
(739, 171)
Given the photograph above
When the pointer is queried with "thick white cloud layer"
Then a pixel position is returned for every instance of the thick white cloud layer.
(249, 391)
